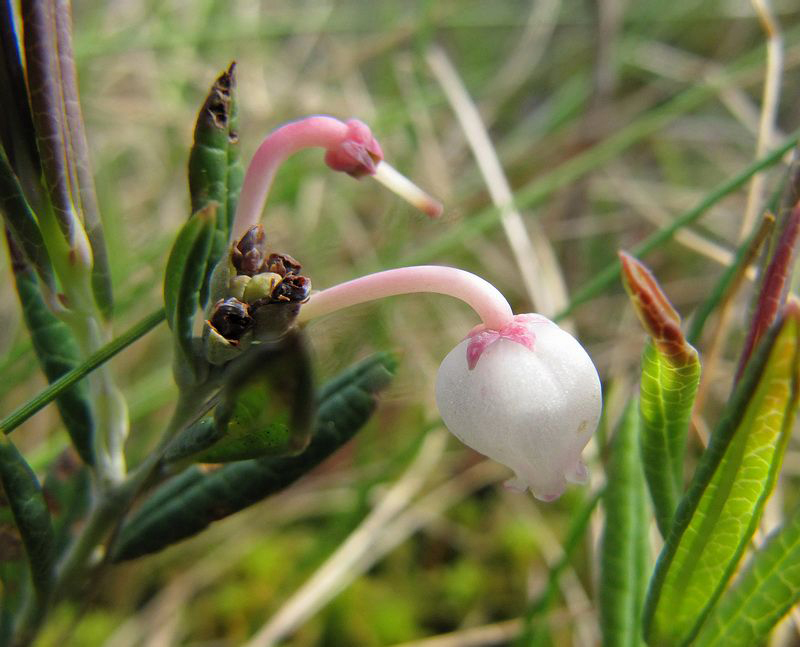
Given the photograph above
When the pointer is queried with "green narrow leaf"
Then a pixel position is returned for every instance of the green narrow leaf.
(20, 220)
(83, 189)
(761, 595)
(12, 570)
(186, 268)
(16, 128)
(735, 476)
(186, 505)
(624, 546)
(670, 377)
(215, 173)
(25, 498)
(47, 109)
(58, 353)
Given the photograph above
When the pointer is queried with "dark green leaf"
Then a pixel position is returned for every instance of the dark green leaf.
(184, 276)
(720, 512)
(25, 498)
(761, 596)
(67, 488)
(215, 172)
(16, 128)
(20, 220)
(58, 354)
(187, 504)
(624, 547)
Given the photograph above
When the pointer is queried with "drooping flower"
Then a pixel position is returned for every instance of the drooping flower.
(518, 389)
(527, 396)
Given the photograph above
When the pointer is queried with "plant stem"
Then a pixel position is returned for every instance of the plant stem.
(102, 355)
(479, 294)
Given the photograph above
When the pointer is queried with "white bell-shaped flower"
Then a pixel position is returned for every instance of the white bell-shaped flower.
(527, 396)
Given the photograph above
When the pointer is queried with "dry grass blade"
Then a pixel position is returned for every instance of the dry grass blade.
(534, 255)
(769, 111)
(338, 570)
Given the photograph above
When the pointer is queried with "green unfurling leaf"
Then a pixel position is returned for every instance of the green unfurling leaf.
(719, 513)
(58, 353)
(215, 171)
(185, 273)
(761, 595)
(670, 377)
(191, 501)
(32, 518)
(266, 408)
(624, 548)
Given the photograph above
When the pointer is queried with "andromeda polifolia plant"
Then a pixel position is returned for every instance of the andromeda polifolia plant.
(682, 486)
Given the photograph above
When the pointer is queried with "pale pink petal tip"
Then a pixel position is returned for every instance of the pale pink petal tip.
(515, 484)
(578, 473)
(358, 153)
(519, 330)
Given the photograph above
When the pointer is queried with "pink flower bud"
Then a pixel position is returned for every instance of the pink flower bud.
(527, 396)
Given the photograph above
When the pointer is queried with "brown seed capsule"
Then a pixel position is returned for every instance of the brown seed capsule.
(231, 319)
(283, 264)
(248, 254)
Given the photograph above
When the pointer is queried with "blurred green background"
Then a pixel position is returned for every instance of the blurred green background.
(609, 118)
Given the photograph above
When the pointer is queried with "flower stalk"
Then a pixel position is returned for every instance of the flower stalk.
(485, 299)
(350, 147)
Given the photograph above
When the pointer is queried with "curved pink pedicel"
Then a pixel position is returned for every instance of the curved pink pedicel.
(518, 330)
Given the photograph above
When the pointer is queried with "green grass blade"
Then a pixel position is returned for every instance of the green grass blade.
(719, 514)
(58, 353)
(669, 381)
(610, 273)
(32, 518)
(732, 277)
(188, 504)
(184, 276)
(761, 596)
(624, 546)
(96, 359)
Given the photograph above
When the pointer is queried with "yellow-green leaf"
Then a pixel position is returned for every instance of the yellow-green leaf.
(736, 473)
(761, 596)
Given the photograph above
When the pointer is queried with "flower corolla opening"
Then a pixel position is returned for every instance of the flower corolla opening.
(527, 396)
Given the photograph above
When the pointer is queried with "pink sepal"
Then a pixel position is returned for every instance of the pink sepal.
(358, 153)
(519, 331)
